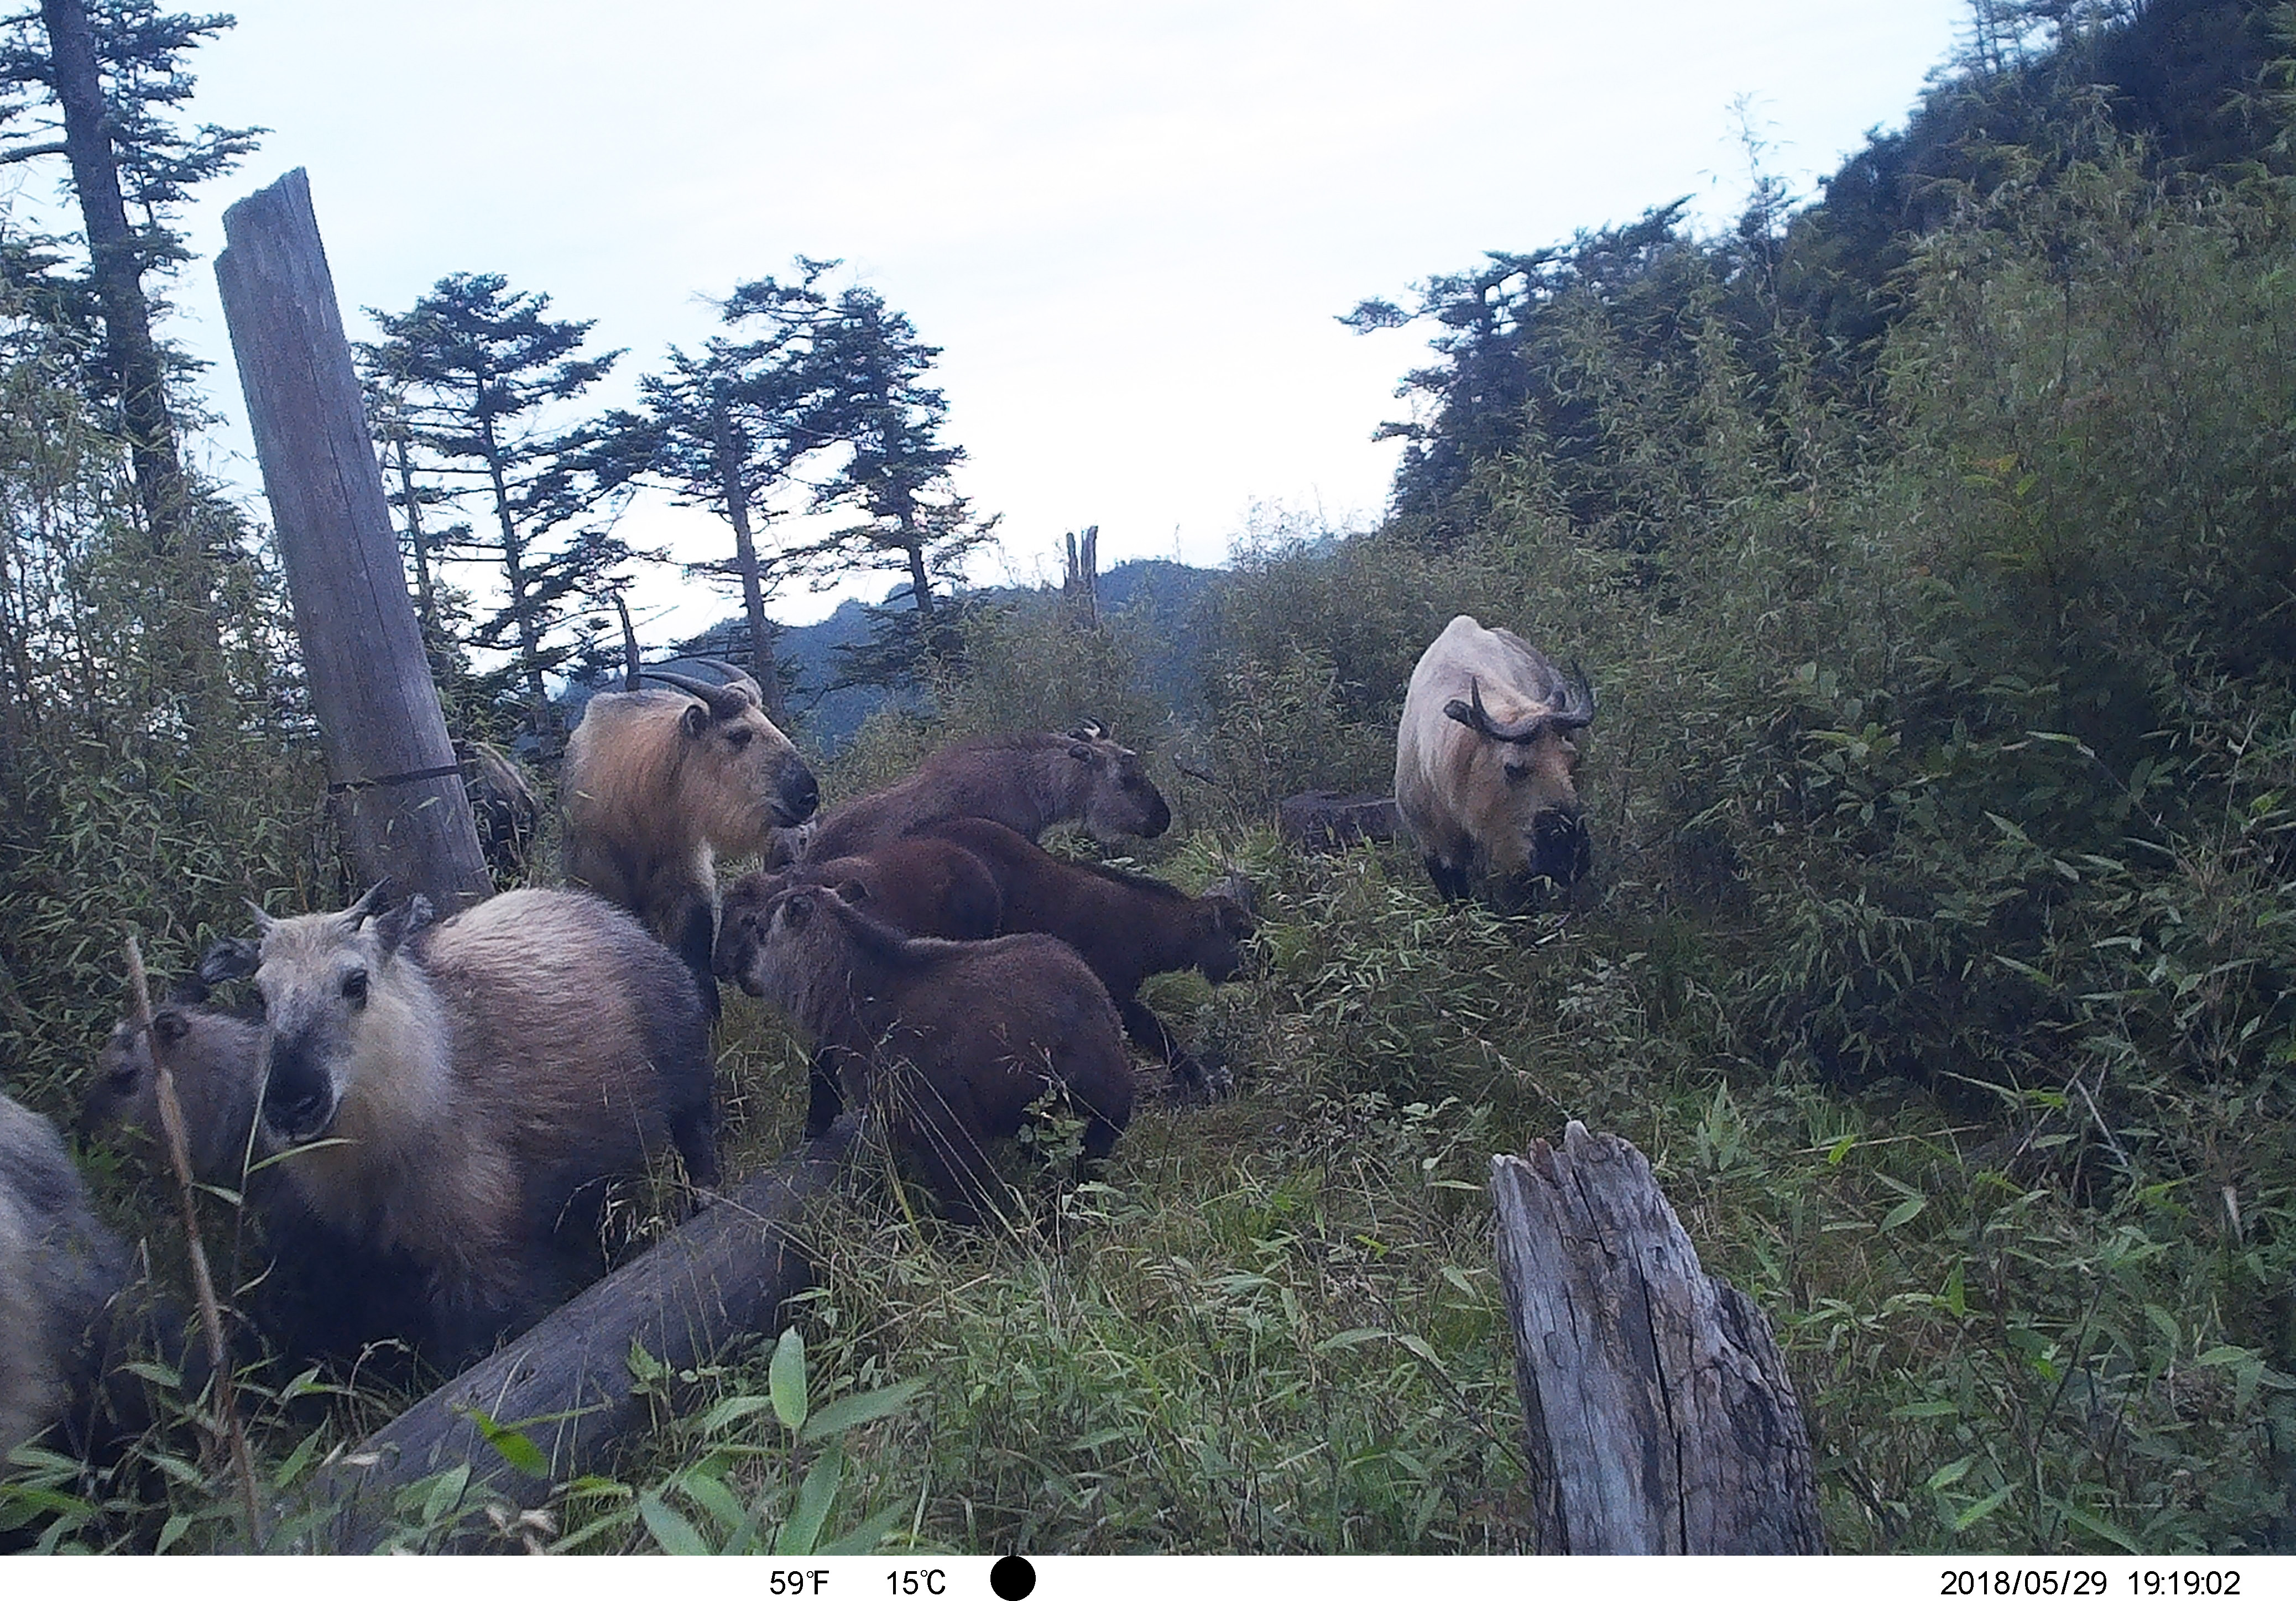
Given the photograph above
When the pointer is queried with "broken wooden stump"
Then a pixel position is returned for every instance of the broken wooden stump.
(566, 1385)
(1658, 1411)
(1324, 820)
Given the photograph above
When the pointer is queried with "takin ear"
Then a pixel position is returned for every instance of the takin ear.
(395, 927)
(170, 1025)
(796, 909)
(853, 891)
(694, 722)
(230, 959)
(1081, 752)
(376, 901)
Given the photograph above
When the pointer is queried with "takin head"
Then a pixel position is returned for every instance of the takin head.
(341, 996)
(1117, 798)
(737, 757)
(1524, 774)
(214, 1057)
(1218, 945)
(705, 763)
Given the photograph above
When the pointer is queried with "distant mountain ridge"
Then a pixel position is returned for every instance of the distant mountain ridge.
(830, 715)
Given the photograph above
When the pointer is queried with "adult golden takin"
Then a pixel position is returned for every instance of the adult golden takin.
(1485, 763)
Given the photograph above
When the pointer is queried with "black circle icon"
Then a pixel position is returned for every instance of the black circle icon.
(1013, 1578)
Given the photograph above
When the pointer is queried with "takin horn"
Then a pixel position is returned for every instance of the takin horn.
(725, 701)
(631, 670)
(1578, 707)
(740, 679)
(1519, 730)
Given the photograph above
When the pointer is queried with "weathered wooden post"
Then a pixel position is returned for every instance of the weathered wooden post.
(390, 768)
(1658, 1411)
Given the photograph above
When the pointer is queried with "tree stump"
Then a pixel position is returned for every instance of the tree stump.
(1657, 1412)
(566, 1384)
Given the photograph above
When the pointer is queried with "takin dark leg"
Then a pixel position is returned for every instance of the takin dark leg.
(825, 1101)
(694, 1130)
(941, 1134)
(1148, 1032)
(696, 924)
(1108, 1109)
(1452, 883)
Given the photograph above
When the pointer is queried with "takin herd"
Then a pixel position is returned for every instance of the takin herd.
(424, 1116)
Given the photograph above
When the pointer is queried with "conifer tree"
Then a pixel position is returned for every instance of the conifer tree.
(95, 84)
(864, 389)
(478, 365)
(717, 430)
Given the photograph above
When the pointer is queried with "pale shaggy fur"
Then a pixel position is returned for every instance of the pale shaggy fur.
(505, 1059)
(1451, 783)
(650, 808)
(1026, 781)
(59, 1268)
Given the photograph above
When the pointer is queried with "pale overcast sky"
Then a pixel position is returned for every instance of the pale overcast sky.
(1129, 228)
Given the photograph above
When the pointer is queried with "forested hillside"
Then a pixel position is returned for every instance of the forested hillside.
(1931, 546)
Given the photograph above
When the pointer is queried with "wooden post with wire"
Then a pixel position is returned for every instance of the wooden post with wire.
(178, 1141)
(1656, 1409)
(392, 775)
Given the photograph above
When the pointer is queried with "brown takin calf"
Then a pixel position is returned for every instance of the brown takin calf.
(926, 887)
(921, 887)
(950, 1041)
(1026, 781)
(1124, 926)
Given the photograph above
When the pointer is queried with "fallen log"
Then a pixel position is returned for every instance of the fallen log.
(1656, 1409)
(566, 1385)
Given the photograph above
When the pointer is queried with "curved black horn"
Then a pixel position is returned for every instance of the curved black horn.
(1518, 731)
(724, 700)
(733, 675)
(740, 679)
(1578, 707)
(631, 672)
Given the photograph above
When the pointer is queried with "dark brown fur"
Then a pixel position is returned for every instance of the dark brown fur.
(926, 887)
(951, 1041)
(1026, 781)
(923, 887)
(1126, 926)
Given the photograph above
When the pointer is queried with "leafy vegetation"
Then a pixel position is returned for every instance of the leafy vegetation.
(1933, 563)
